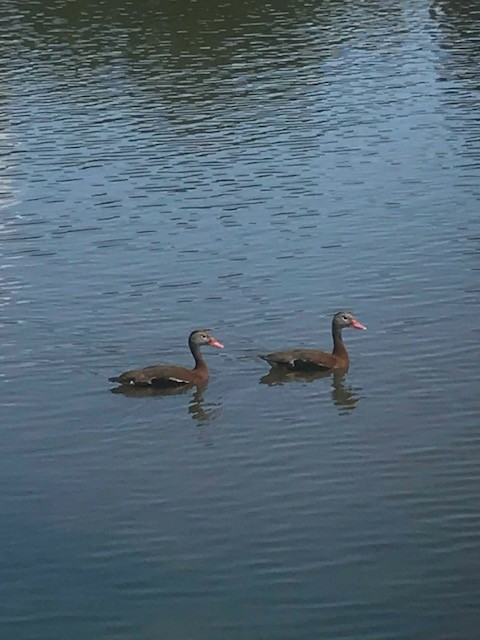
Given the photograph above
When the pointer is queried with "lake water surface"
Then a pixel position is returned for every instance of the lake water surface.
(253, 168)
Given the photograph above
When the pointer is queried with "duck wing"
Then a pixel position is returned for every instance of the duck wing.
(157, 374)
(301, 359)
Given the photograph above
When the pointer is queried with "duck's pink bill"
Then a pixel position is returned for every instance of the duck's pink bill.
(357, 325)
(215, 343)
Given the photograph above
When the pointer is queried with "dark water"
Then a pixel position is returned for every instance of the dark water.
(251, 167)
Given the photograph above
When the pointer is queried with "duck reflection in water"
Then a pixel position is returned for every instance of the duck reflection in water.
(195, 407)
(344, 396)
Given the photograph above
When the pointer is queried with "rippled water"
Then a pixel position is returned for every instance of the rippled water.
(251, 168)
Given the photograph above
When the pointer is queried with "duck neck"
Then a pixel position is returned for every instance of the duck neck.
(338, 346)
(198, 357)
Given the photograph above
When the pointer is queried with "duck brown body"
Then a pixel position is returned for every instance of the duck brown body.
(171, 374)
(304, 359)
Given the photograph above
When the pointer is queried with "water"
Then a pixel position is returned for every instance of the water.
(249, 168)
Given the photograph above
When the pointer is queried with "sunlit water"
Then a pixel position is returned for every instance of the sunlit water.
(251, 169)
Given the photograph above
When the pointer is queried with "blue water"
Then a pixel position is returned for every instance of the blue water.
(252, 169)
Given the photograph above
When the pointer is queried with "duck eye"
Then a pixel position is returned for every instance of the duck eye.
(345, 318)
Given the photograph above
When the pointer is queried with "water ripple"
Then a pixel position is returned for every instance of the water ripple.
(252, 168)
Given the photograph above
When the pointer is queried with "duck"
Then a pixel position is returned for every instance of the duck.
(173, 374)
(313, 359)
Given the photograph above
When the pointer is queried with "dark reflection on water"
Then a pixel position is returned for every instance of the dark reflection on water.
(195, 406)
(252, 167)
(343, 396)
(459, 41)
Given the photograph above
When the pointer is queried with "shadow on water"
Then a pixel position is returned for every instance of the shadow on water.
(458, 36)
(196, 406)
(343, 396)
(235, 48)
